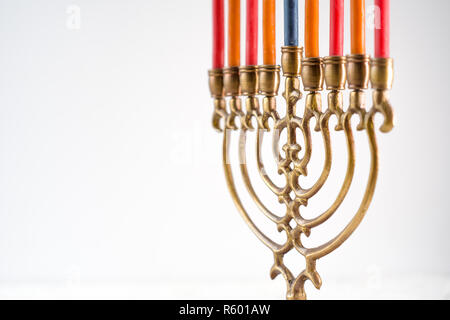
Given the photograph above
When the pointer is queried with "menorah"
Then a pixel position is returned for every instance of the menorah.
(355, 70)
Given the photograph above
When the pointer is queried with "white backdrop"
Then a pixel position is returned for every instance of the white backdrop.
(111, 184)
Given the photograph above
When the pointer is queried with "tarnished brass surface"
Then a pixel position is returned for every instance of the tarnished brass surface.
(249, 88)
(293, 166)
(291, 58)
(358, 71)
(216, 83)
(248, 77)
(381, 73)
(335, 72)
(312, 74)
(231, 81)
(381, 78)
(217, 92)
(269, 80)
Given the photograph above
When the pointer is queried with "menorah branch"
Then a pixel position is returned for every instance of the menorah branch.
(249, 84)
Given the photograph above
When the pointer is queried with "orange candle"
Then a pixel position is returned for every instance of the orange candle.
(234, 33)
(269, 56)
(358, 26)
(312, 28)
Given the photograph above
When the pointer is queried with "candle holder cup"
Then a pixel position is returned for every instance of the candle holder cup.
(217, 93)
(335, 79)
(312, 74)
(357, 71)
(250, 87)
(269, 83)
(381, 79)
(232, 89)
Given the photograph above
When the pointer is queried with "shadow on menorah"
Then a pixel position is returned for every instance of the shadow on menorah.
(250, 81)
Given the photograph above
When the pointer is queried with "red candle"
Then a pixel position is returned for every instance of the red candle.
(251, 56)
(218, 34)
(336, 27)
(382, 28)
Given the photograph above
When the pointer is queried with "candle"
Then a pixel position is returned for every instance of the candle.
(312, 28)
(251, 56)
(234, 33)
(218, 34)
(336, 27)
(291, 22)
(269, 57)
(358, 31)
(382, 28)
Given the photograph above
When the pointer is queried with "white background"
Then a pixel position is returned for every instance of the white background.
(111, 183)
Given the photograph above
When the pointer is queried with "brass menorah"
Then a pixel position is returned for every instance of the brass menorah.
(250, 81)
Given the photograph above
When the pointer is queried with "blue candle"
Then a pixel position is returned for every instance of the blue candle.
(291, 22)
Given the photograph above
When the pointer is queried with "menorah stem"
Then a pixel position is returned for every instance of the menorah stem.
(292, 95)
